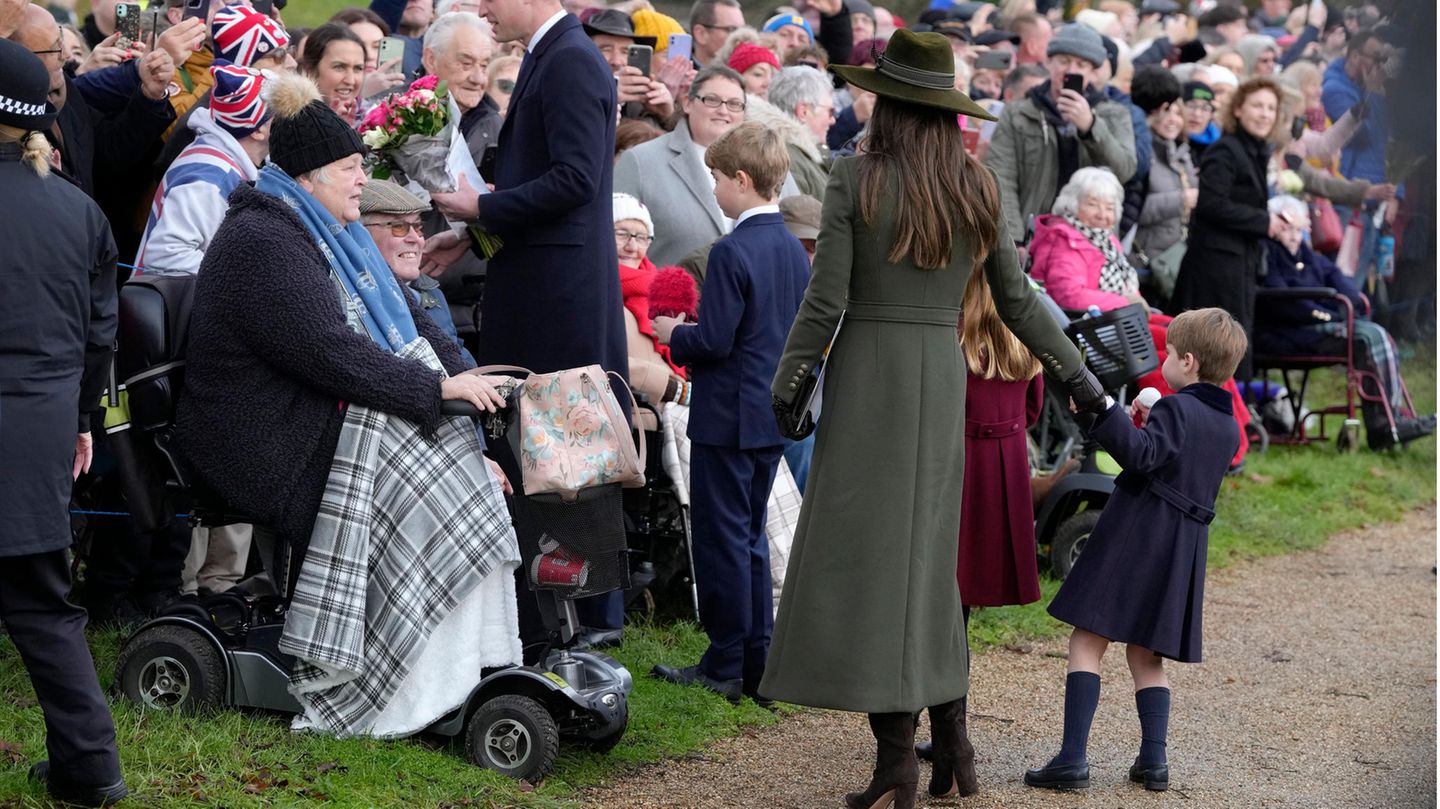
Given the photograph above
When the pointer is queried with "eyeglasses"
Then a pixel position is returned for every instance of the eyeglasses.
(714, 102)
(728, 29)
(505, 85)
(399, 228)
(625, 236)
(1199, 106)
(47, 50)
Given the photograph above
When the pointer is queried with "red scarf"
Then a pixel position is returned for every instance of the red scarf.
(635, 288)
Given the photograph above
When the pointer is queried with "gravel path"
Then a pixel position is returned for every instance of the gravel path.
(1318, 690)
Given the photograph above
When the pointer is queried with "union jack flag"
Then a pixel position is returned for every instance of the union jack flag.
(243, 34)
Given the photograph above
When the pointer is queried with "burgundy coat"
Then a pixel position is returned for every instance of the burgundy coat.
(997, 564)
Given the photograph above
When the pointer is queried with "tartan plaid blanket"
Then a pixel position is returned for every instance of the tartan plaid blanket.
(406, 530)
(782, 512)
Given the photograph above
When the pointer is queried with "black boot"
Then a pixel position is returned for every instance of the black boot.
(897, 773)
(954, 756)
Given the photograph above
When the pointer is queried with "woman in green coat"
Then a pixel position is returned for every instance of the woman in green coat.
(870, 616)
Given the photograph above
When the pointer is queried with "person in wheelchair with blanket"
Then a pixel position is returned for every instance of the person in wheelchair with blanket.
(312, 406)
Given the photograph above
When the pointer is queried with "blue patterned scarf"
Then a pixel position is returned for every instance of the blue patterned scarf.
(355, 261)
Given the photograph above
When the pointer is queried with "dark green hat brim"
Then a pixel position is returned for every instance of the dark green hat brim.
(868, 78)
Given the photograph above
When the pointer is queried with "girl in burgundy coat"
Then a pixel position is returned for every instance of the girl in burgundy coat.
(1003, 396)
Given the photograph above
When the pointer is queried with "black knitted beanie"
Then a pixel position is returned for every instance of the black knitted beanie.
(306, 134)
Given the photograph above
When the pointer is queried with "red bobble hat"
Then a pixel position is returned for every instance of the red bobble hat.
(748, 55)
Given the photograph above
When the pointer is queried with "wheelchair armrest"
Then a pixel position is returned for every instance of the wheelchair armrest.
(459, 407)
(1299, 292)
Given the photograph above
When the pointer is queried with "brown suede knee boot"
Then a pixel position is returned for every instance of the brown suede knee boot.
(897, 772)
(954, 756)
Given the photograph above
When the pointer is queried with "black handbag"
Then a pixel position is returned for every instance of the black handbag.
(797, 418)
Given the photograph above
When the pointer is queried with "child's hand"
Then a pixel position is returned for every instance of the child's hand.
(664, 326)
(1139, 413)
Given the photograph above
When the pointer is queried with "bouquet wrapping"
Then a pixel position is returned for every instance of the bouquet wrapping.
(414, 138)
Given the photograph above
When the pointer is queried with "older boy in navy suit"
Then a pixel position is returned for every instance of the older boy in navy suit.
(753, 288)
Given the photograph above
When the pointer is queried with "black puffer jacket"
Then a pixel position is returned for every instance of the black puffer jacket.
(272, 362)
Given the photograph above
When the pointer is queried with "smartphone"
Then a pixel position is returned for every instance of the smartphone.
(127, 23)
(970, 140)
(266, 7)
(149, 27)
(640, 58)
(487, 163)
(1297, 127)
(679, 47)
(391, 48)
(994, 60)
(196, 8)
(1076, 82)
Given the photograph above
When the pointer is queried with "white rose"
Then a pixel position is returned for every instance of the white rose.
(375, 138)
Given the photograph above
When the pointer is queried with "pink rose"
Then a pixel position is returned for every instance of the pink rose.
(425, 83)
(375, 117)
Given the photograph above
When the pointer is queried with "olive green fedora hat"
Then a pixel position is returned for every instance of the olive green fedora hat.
(918, 69)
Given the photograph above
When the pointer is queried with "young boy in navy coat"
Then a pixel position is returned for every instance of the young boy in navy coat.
(754, 283)
(1141, 579)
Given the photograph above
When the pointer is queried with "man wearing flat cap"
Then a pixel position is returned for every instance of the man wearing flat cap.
(1042, 139)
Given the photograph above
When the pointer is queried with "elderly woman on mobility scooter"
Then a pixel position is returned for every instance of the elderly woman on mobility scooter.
(313, 405)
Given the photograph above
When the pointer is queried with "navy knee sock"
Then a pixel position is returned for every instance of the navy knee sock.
(1153, 705)
(1082, 695)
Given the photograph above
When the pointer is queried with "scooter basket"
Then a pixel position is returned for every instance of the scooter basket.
(1117, 345)
(577, 548)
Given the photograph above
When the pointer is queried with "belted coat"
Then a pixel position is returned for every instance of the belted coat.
(870, 617)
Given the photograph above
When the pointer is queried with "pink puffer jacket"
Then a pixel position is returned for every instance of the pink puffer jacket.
(1069, 266)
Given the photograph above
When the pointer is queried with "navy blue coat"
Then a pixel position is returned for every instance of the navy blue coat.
(1141, 578)
(1281, 323)
(552, 295)
(753, 287)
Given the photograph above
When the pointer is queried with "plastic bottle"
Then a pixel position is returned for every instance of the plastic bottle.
(1385, 255)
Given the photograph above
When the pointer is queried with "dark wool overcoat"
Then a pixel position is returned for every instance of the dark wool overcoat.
(1141, 578)
(870, 616)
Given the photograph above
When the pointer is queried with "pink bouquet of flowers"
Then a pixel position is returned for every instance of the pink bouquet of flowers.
(411, 138)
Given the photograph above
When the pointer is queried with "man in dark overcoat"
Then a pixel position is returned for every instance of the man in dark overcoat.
(57, 324)
(552, 293)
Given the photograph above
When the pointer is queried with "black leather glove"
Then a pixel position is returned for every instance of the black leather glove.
(1085, 391)
(1361, 108)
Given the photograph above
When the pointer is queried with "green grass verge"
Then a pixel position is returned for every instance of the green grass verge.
(1287, 499)
(1290, 499)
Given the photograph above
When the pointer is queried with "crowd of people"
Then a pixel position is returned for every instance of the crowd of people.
(1166, 155)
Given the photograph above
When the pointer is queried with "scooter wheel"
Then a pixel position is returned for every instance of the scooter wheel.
(514, 736)
(170, 668)
(606, 743)
(1069, 540)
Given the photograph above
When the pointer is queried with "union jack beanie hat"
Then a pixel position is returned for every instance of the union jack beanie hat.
(242, 35)
(237, 102)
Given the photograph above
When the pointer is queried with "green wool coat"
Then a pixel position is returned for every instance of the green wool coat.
(870, 618)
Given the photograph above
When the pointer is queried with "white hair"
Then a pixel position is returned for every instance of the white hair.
(1089, 182)
(799, 85)
(445, 7)
(1286, 204)
(1221, 76)
(442, 31)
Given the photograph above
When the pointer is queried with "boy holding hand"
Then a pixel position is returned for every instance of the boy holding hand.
(1141, 580)
(754, 283)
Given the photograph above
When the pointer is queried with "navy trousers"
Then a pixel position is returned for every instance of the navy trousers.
(729, 488)
(49, 633)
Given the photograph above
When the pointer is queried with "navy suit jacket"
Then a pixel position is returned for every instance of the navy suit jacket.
(552, 292)
(754, 283)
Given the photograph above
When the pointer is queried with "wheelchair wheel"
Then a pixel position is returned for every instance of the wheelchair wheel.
(171, 668)
(514, 736)
(1070, 538)
(1256, 434)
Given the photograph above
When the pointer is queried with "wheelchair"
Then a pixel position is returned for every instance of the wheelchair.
(1294, 371)
(222, 650)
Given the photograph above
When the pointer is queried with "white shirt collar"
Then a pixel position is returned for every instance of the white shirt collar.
(756, 211)
(544, 29)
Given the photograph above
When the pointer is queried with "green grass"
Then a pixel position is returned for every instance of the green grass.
(1288, 499)
(252, 759)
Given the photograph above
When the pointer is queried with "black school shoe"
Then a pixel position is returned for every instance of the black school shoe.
(691, 675)
(1059, 776)
(1155, 777)
(70, 792)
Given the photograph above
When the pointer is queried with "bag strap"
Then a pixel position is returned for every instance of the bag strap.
(490, 369)
(634, 405)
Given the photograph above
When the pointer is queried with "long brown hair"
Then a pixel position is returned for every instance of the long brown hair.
(990, 348)
(944, 192)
